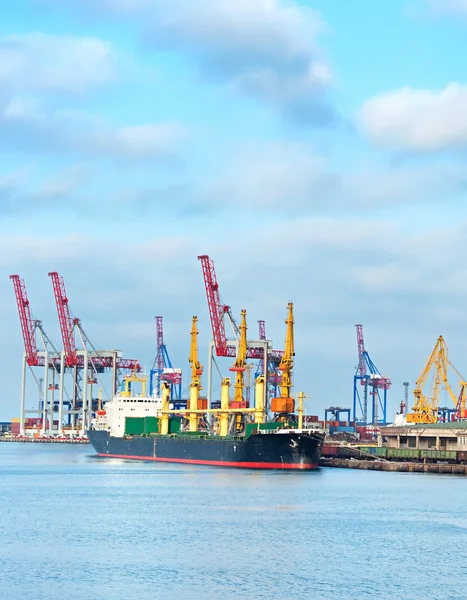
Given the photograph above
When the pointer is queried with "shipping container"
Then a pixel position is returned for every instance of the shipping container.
(251, 428)
(282, 405)
(202, 404)
(175, 424)
(151, 425)
(134, 425)
(269, 426)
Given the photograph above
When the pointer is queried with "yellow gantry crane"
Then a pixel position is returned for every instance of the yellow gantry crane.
(425, 409)
(196, 372)
(285, 404)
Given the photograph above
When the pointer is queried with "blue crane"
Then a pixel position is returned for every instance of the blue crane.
(162, 368)
(375, 385)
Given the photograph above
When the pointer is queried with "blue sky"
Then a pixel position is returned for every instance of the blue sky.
(315, 149)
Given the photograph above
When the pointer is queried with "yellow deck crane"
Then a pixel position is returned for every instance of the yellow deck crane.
(134, 377)
(284, 405)
(196, 372)
(425, 409)
(239, 368)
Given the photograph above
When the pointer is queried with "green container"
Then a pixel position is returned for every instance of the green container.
(381, 451)
(134, 425)
(151, 425)
(250, 429)
(271, 426)
(175, 424)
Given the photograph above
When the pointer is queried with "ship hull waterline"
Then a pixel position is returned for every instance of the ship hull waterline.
(284, 451)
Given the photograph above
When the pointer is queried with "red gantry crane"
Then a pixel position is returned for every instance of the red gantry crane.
(87, 363)
(256, 349)
(49, 358)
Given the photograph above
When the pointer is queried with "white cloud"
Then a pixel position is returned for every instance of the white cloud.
(420, 120)
(41, 62)
(455, 7)
(273, 176)
(266, 48)
(289, 177)
(148, 140)
(31, 128)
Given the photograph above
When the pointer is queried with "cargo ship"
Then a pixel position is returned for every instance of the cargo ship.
(135, 426)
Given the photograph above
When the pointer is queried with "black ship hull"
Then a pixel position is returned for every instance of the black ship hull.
(288, 450)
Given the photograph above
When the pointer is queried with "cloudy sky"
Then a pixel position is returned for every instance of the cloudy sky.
(315, 149)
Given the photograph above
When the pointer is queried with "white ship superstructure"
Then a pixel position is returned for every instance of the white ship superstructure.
(125, 404)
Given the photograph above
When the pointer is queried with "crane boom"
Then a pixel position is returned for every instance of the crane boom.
(361, 351)
(286, 363)
(66, 322)
(240, 361)
(217, 312)
(28, 325)
(159, 344)
(262, 330)
(196, 372)
(215, 306)
(286, 404)
(425, 409)
(196, 367)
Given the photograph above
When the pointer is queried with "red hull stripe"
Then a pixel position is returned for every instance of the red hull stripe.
(219, 463)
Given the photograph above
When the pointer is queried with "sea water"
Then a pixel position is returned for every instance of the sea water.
(74, 526)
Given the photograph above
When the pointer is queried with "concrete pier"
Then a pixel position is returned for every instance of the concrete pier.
(40, 440)
(403, 467)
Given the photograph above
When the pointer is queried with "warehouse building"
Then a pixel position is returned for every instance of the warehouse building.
(436, 436)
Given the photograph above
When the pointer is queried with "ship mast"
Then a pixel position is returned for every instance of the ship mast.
(239, 365)
(196, 372)
(284, 405)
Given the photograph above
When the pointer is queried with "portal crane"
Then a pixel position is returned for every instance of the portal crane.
(285, 404)
(425, 409)
(220, 345)
(85, 364)
(196, 372)
(162, 369)
(372, 382)
(49, 358)
(217, 311)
